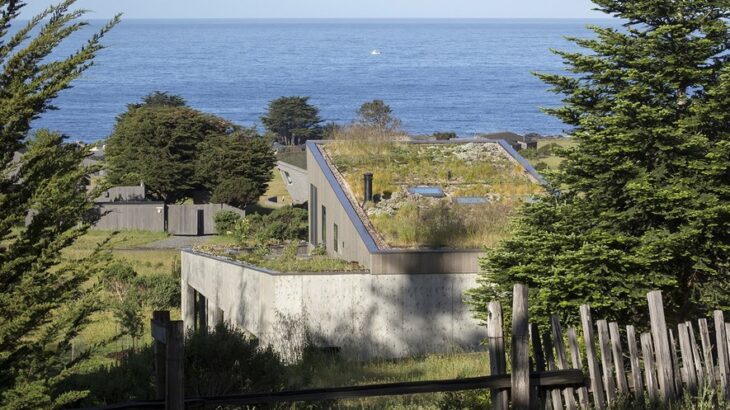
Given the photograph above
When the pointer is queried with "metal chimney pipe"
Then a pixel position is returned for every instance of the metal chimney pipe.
(368, 180)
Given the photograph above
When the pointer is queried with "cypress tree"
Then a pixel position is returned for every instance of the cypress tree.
(644, 199)
(42, 300)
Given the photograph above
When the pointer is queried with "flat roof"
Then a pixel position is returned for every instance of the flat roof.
(487, 175)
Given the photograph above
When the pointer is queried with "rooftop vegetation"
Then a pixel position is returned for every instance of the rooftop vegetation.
(406, 220)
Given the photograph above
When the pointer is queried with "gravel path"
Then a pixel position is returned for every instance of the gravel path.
(177, 242)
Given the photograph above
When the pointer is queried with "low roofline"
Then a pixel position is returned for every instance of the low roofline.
(367, 238)
(285, 164)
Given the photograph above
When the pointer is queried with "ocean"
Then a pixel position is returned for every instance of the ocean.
(466, 76)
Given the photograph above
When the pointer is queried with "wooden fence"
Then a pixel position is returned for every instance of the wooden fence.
(670, 363)
(547, 366)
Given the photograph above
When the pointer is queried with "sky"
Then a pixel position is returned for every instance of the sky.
(332, 8)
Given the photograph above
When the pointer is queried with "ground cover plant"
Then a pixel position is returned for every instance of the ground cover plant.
(462, 170)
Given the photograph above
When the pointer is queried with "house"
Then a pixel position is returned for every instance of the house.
(414, 215)
(517, 141)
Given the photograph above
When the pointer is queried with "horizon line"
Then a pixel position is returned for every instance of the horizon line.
(356, 18)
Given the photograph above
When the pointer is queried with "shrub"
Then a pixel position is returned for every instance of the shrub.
(444, 136)
(159, 291)
(283, 224)
(226, 361)
(225, 221)
(237, 191)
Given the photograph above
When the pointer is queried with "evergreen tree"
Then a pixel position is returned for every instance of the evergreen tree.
(158, 145)
(645, 195)
(42, 300)
(379, 115)
(292, 120)
(236, 168)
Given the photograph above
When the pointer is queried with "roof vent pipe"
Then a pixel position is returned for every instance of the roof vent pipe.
(368, 181)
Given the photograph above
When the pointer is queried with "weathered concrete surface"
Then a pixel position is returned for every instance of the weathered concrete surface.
(365, 315)
(183, 219)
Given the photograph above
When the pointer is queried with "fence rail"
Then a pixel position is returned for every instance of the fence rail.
(547, 365)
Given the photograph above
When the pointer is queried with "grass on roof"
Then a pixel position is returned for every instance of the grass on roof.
(460, 169)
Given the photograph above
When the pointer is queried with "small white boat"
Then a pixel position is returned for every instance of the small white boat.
(375, 52)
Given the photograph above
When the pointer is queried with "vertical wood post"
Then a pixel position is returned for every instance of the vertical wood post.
(577, 364)
(722, 352)
(618, 359)
(606, 360)
(175, 392)
(497, 361)
(635, 364)
(160, 352)
(593, 369)
(520, 349)
(696, 356)
(675, 363)
(647, 351)
(661, 345)
(538, 395)
(707, 353)
(554, 392)
(688, 364)
(562, 359)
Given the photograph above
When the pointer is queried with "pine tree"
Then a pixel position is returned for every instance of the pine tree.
(644, 199)
(42, 301)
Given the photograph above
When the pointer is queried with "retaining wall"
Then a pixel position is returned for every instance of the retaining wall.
(365, 315)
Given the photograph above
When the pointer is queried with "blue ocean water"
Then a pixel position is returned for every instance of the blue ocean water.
(467, 76)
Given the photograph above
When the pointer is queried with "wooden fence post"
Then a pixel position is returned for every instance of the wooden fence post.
(635, 366)
(688, 364)
(696, 355)
(160, 318)
(606, 360)
(520, 349)
(661, 345)
(538, 396)
(577, 364)
(647, 350)
(707, 353)
(593, 369)
(175, 391)
(618, 358)
(497, 364)
(722, 351)
(562, 359)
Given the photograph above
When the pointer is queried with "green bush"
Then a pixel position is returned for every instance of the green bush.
(444, 136)
(226, 361)
(223, 361)
(225, 221)
(283, 224)
(159, 291)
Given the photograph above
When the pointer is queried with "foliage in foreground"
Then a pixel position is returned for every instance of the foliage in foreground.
(42, 298)
(646, 191)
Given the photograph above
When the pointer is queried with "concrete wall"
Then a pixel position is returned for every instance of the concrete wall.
(183, 219)
(366, 316)
(351, 246)
(148, 216)
(296, 181)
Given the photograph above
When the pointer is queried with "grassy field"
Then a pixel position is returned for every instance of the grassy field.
(124, 246)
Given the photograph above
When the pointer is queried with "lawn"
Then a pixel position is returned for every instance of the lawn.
(481, 172)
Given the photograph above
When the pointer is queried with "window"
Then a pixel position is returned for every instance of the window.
(336, 238)
(324, 226)
(313, 214)
(287, 177)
